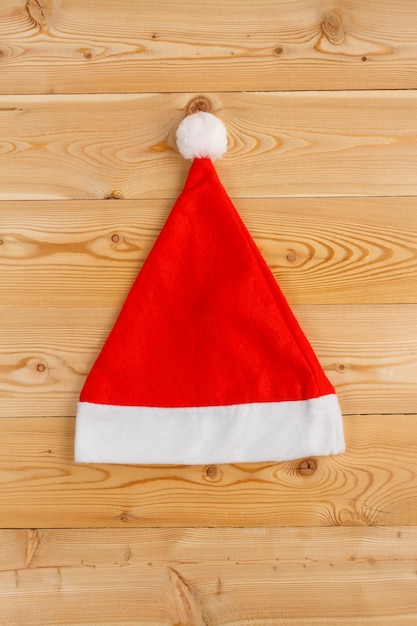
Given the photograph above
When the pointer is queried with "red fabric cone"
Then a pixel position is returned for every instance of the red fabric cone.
(205, 325)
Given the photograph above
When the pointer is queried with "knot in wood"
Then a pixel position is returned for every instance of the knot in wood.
(112, 196)
(212, 472)
(39, 11)
(199, 103)
(307, 467)
(127, 517)
(332, 27)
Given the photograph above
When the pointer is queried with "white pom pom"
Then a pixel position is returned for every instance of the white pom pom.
(202, 135)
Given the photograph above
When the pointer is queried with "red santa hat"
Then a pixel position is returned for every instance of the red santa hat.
(206, 362)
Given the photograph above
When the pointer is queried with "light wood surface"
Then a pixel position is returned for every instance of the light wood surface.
(221, 576)
(46, 352)
(280, 144)
(57, 46)
(320, 107)
(373, 484)
(320, 250)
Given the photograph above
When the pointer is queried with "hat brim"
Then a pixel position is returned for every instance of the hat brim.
(274, 431)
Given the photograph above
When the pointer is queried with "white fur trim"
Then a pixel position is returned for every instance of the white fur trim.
(277, 431)
(202, 135)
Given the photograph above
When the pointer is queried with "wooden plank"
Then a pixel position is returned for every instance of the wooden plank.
(220, 576)
(373, 484)
(322, 251)
(123, 46)
(46, 352)
(281, 144)
(47, 547)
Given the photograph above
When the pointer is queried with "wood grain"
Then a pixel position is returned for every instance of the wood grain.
(280, 144)
(221, 576)
(373, 484)
(320, 106)
(122, 46)
(46, 352)
(322, 251)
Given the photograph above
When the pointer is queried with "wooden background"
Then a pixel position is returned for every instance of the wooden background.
(320, 105)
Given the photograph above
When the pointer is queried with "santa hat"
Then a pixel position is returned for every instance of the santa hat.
(206, 363)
